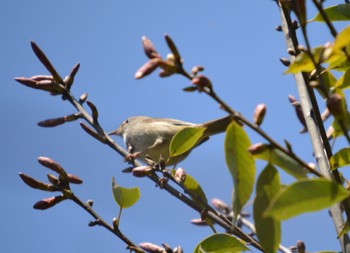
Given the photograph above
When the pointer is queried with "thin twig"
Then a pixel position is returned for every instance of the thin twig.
(101, 222)
(212, 215)
(254, 127)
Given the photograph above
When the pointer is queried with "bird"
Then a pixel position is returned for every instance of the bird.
(147, 136)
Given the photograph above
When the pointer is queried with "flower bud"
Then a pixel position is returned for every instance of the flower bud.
(147, 68)
(164, 73)
(178, 249)
(173, 49)
(259, 113)
(52, 122)
(51, 164)
(48, 202)
(168, 66)
(199, 222)
(201, 82)
(167, 248)
(278, 28)
(53, 179)
(141, 171)
(301, 247)
(93, 109)
(298, 110)
(46, 62)
(285, 61)
(180, 175)
(220, 205)
(151, 248)
(90, 202)
(74, 179)
(335, 105)
(68, 81)
(257, 148)
(196, 69)
(149, 48)
(37, 184)
(41, 78)
(83, 98)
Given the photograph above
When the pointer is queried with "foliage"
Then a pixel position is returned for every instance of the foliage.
(313, 188)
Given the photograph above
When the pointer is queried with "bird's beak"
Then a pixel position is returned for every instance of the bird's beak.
(115, 132)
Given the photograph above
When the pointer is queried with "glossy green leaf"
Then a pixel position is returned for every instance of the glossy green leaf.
(340, 159)
(193, 186)
(340, 12)
(221, 243)
(276, 157)
(240, 163)
(303, 62)
(305, 195)
(342, 39)
(267, 187)
(125, 197)
(185, 140)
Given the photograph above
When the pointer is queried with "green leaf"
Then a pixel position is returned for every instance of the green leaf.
(340, 159)
(344, 81)
(267, 187)
(305, 195)
(285, 162)
(340, 12)
(125, 197)
(329, 81)
(221, 243)
(337, 128)
(193, 186)
(185, 140)
(342, 39)
(303, 62)
(240, 163)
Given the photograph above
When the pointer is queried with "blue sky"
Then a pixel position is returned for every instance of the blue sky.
(236, 43)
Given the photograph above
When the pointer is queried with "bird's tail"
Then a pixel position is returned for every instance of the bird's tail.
(217, 126)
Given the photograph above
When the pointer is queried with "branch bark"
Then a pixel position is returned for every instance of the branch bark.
(312, 124)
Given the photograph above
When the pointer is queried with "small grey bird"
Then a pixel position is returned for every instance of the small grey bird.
(151, 136)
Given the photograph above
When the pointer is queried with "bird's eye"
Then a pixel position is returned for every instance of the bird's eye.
(126, 121)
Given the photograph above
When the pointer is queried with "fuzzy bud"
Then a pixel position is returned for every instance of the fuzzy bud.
(74, 179)
(259, 113)
(202, 82)
(37, 184)
(48, 202)
(180, 175)
(220, 205)
(151, 248)
(149, 48)
(285, 61)
(301, 247)
(147, 68)
(141, 171)
(335, 105)
(298, 110)
(196, 69)
(257, 148)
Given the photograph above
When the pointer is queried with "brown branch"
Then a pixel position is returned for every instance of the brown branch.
(315, 126)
